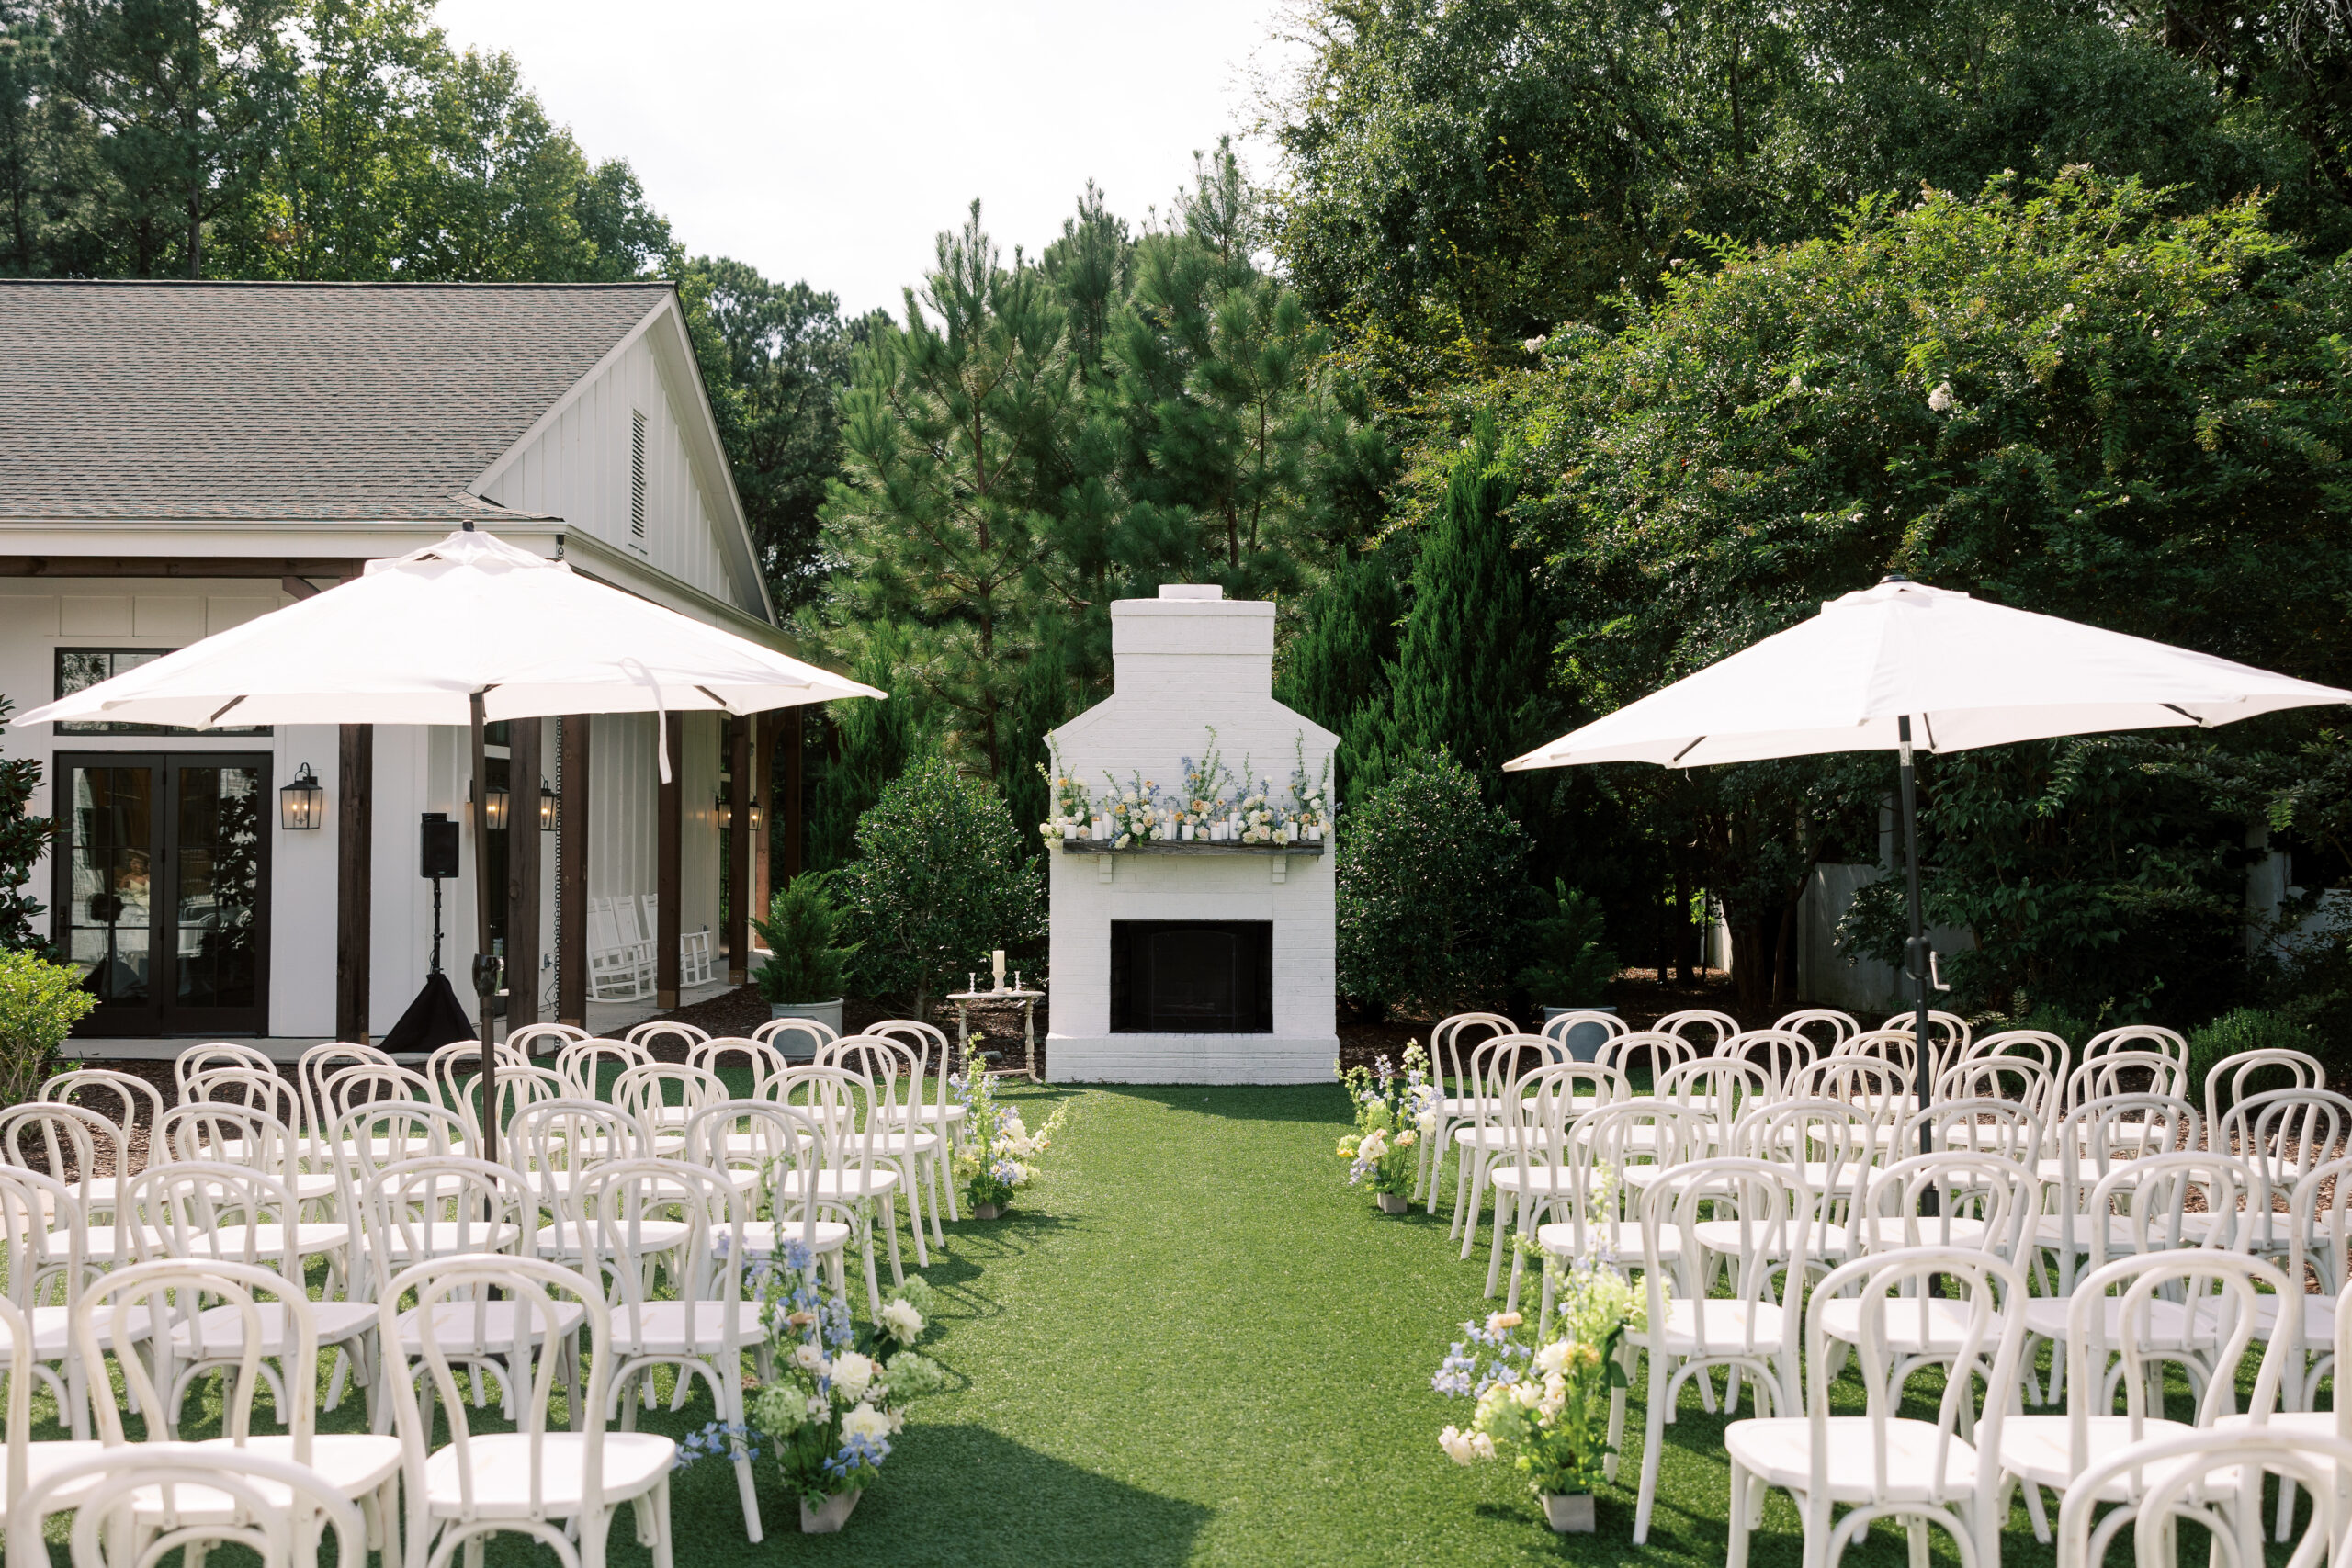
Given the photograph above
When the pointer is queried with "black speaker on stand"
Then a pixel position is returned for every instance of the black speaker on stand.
(435, 1018)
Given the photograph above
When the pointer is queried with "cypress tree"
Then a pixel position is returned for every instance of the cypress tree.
(1473, 667)
(1339, 667)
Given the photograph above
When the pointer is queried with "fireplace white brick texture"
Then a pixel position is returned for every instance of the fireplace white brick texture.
(1182, 662)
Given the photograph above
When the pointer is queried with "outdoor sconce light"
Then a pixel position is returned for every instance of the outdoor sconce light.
(755, 811)
(495, 803)
(549, 803)
(302, 804)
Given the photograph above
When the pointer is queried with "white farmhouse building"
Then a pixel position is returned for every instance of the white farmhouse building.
(179, 457)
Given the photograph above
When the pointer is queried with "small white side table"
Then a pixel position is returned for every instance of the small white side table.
(1028, 1000)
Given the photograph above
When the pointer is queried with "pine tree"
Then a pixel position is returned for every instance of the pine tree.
(956, 435)
(868, 746)
(1473, 667)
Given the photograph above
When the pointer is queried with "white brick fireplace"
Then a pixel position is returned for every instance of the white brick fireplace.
(1180, 931)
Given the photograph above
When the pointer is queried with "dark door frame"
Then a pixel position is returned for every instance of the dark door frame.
(161, 1015)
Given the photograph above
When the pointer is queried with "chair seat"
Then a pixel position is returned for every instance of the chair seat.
(1943, 1331)
(482, 1328)
(1728, 1235)
(570, 1238)
(445, 1238)
(839, 1186)
(1531, 1178)
(683, 1328)
(221, 1330)
(43, 1460)
(2167, 1323)
(53, 1330)
(1618, 1239)
(354, 1463)
(2036, 1448)
(265, 1242)
(1715, 1328)
(499, 1477)
(1779, 1450)
(1887, 1231)
(897, 1146)
(759, 1236)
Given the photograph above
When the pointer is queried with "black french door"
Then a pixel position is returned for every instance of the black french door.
(161, 894)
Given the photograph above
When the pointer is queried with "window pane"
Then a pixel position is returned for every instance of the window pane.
(111, 831)
(219, 886)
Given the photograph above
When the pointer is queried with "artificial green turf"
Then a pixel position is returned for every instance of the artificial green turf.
(1191, 1343)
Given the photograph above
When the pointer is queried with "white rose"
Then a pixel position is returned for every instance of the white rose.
(1553, 1357)
(808, 1359)
(852, 1372)
(865, 1421)
(903, 1321)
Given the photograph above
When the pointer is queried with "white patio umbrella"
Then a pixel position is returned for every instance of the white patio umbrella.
(465, 631)
(1903, 664)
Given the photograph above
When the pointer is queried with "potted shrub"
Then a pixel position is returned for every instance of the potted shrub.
(1572, 965)
(40, 1004)
(802, 977)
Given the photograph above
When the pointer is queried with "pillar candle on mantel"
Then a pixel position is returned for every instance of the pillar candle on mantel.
(995, 963)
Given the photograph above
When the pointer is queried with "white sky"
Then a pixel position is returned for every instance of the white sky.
(833, 141)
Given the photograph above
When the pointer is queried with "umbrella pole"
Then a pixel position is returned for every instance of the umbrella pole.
(486, 963)
(1914, 951)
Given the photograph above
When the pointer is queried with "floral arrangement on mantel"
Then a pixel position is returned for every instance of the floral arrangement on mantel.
(1548, 1401)
(1394, 1112)
(1001, 1153)
(1211, 805)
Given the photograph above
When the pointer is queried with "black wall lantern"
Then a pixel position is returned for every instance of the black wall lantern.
(302, 804)
(549, 802)
(494, 804)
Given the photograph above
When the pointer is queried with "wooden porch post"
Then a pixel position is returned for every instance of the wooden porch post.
(355, 887)
(796, 831)
(667, 847)
(522, 774)
(739, 849)
(763, 782)
(572, 877)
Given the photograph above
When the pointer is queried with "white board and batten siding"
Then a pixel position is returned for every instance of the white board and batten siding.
(614, 462)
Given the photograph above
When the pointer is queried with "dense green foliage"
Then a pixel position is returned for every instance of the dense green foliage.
(1035, 440)
(40, 1004)
(804, 928)
(24, 839)
(940, 878)
(1432, 892)
(1465, 176)
(2070, 397)
(1571, 961)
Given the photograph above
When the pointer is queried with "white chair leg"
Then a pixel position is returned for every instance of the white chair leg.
(1518, 1205)
(1736, 1549)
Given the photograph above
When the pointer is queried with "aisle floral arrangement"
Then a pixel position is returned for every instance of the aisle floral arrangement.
(1001, 1155)
(1394, 1112)
(836, 1398)
(1546, 1403)
(1211, 806)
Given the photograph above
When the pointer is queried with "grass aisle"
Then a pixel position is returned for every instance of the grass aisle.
(1192, 1344)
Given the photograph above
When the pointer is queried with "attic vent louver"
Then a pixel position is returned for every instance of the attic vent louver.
(636, 476)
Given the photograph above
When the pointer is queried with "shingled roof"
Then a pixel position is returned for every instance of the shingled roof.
(277, 400)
